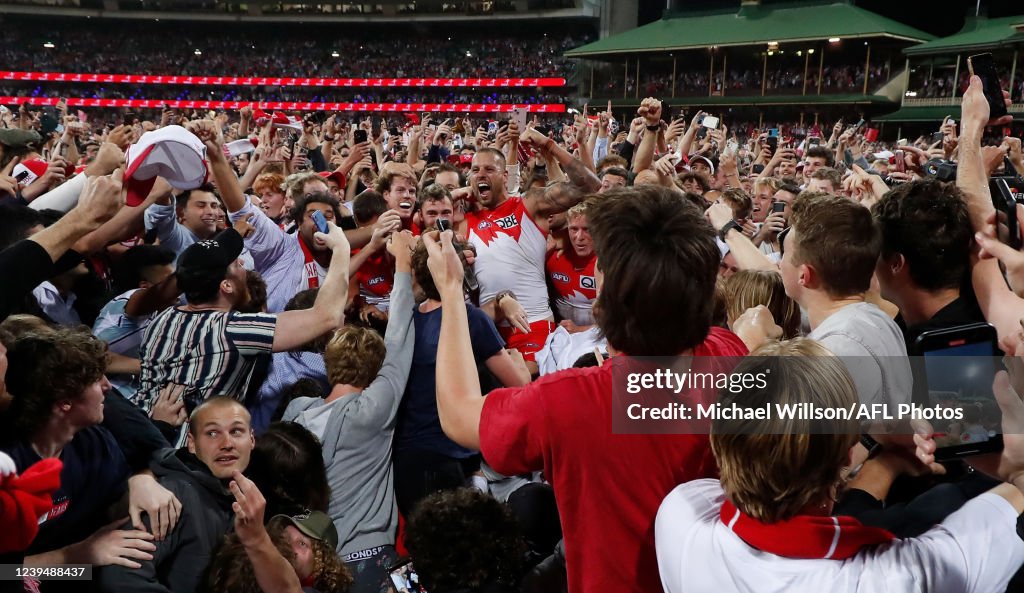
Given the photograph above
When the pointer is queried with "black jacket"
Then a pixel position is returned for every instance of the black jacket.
(206, 516)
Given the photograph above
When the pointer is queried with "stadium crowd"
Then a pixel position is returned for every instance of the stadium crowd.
(249, 353)
(282, 52)
(834, 79)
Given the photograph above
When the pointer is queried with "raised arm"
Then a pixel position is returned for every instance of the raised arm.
(295, 328)
(578, 174)
(100, 201)
(225, 178)
(1001, 307)
(379, 402)
(459, 401)
(650, 110)
(274, 574)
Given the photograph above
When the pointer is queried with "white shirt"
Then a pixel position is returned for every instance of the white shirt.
(510, 254)
(55, 306)
(976, 549)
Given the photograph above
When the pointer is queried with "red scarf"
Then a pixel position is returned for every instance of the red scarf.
(804, 536)
(310, 267)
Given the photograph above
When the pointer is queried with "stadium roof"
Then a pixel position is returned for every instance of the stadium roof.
(932, 113)
(752, 25)
(978, 33)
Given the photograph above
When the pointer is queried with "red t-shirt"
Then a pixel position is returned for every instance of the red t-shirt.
(608, 486)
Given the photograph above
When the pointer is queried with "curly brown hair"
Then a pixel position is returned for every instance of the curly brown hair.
(464, 539)
(47, 367)
(421, 272)
(231, 571)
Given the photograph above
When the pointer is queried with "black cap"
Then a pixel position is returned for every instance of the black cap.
(207, 259)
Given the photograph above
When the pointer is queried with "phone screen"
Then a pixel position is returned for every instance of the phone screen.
(321, 221)
(959, 367)
(983, 66)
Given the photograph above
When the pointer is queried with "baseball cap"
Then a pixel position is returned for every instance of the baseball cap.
(17, 138)
(315, 524)
(207, 259)
(337, 176)
(706, 160)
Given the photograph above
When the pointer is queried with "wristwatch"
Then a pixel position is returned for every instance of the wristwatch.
(654, 128)
(873, 446)
(724, 231)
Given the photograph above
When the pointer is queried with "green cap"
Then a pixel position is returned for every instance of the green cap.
(17, 138)
(315, 524)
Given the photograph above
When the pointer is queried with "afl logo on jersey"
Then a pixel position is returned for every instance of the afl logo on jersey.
(483, 225)
(588, 282)
(507, 222)
(559, 277)
(375, 280)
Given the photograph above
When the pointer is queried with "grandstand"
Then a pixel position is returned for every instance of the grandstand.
(808, 62)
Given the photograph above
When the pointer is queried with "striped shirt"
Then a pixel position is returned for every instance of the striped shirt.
(211, 352)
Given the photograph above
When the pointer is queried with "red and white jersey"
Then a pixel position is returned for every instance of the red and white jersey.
(574, 284)
(376, 278)
(510, 253)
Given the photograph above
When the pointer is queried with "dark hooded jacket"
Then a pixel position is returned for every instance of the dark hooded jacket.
(181, 558)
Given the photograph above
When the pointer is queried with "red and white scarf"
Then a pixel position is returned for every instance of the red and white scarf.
(310, 269)
(804, 536)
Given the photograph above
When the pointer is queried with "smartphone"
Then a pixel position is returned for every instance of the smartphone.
(960, 364)
(375, 127)
(778, 207)
(359, 136)
(813, 142)
(773, 142)
(1005, 203)
(983, 66)
(320, 221)
(710, 122)
(129, 119)
(443, 224)
(900, 161)
(519, 116)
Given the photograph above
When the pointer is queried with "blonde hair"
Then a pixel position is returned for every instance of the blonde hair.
(773, 469)
(749, 288)
(354, 356)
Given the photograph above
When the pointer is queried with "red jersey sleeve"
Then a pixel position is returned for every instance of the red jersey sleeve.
(514, 430)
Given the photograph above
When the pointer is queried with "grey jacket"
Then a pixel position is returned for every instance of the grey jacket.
(181, 558)
(358, 435)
